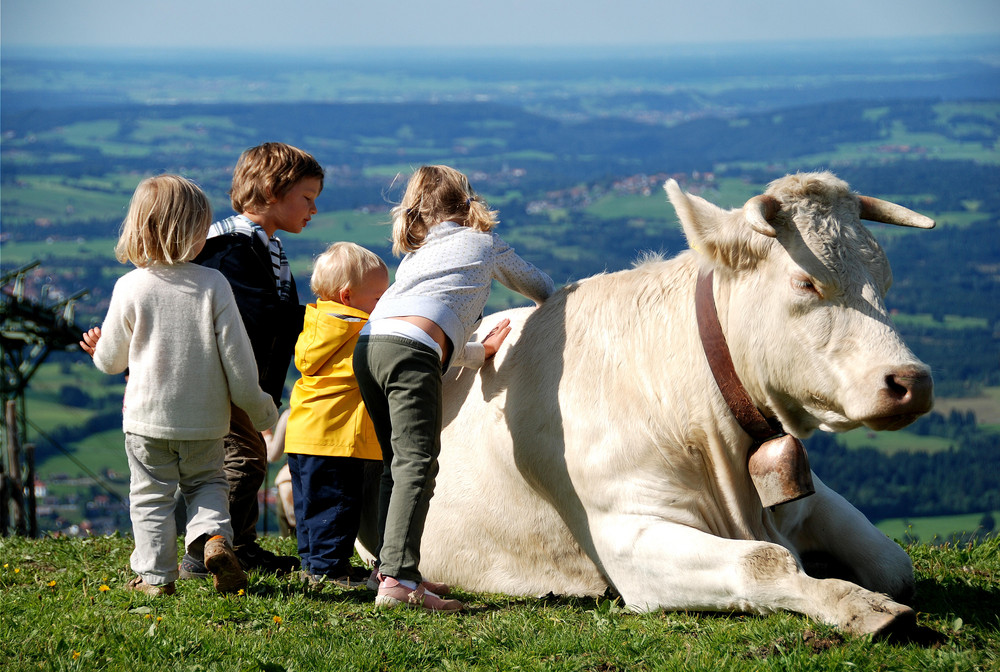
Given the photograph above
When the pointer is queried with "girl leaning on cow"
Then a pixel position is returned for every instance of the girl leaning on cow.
(419, 329)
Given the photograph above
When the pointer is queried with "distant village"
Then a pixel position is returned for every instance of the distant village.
(84, 513)
(582, 196)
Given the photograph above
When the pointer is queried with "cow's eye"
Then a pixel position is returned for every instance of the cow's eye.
(805, 284)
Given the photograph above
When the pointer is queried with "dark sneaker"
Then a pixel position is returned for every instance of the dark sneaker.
(149, 589)
(220, 560)
(191, 568)
(255, 558)
(374, 579)
(312, 580)
(355, 577)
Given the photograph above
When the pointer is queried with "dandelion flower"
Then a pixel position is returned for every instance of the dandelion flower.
(277, 620)
(241, 593)
(52, 584)
(76, 654)
(104, 588)
(17, 570)
(148, 616)
(159, 618)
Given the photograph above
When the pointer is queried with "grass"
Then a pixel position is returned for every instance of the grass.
(890, 443)
(951, 322)
(61, 201)
(932, 529)
(369, 229)
(106, 449)
(653, 207)
(986, 406)
(64, 608)
(56, 253)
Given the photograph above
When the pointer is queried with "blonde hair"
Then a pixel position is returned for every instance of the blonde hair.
(168, 218)
(343, 266)
(433, 195)
(267, 172)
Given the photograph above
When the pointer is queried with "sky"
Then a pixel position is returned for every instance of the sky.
(323, 25)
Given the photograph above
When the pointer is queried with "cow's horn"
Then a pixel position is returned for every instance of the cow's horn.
(877, 210)
(759, 211)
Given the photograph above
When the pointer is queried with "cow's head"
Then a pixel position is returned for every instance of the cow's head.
(800, 284)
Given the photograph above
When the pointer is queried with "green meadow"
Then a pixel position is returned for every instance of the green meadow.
(935, 529)
(64, 607)
(894, 442)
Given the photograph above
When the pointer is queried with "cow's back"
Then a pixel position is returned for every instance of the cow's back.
(488, 527)
(553, 428)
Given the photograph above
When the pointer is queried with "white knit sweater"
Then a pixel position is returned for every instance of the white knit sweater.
(178, 331)
(448, 280)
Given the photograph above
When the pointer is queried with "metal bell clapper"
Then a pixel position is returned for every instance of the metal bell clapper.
(779, 468)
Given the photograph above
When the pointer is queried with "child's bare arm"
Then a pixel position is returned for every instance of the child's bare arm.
(90, 338)
(496, 337)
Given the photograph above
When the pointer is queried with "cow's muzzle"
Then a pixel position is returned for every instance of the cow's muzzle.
(907, 394)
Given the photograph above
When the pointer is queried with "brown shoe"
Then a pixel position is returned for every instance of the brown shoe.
(149, 589)
(227, 574)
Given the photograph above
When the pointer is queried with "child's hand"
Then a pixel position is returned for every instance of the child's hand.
(90, 338)
(496, 337)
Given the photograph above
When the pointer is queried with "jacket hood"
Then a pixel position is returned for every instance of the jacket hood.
(329, 331)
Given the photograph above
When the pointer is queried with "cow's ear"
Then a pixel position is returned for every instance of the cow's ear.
(726, 237)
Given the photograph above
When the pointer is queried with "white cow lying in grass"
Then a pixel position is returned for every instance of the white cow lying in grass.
(597, 451)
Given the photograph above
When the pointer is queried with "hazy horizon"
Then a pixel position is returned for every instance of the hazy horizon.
(319, 26)
(899, 48)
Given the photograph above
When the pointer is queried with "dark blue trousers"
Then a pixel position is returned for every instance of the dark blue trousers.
(328, 502)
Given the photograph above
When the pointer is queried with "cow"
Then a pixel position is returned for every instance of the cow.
(596, 451)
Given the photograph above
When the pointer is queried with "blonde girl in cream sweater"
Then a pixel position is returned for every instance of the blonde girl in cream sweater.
(174, 327)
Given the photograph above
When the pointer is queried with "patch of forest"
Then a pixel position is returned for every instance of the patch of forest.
(959, 480)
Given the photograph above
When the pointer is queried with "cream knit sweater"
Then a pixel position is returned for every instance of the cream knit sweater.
(178, 331)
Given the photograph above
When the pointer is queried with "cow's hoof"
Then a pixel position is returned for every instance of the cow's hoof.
(899, 626)
(889, 620)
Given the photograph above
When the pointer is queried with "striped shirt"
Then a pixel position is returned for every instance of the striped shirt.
(244, 226)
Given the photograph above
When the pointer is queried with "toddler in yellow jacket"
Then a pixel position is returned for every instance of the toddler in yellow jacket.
(330, 438)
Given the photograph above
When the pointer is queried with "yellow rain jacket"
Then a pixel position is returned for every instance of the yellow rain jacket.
(327, 415)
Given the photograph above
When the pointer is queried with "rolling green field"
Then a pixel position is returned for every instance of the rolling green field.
(893, 442)
(933, 529)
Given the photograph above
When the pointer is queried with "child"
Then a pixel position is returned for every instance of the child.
(418, 330)
(175, 327)
(330, 438)
(274, 439)
(275, 187)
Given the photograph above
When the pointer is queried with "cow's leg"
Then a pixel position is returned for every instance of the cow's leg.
(828, 523)
(665, 565)
(367, 542)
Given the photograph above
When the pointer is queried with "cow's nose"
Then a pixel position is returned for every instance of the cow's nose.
(910, 389)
